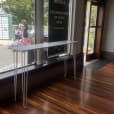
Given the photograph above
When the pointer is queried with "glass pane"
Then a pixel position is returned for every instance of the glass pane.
(17, 20)
(93, 16)
(86, 26)
(91, 40)
(46, 8)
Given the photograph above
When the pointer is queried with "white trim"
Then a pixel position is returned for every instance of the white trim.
(72, 23)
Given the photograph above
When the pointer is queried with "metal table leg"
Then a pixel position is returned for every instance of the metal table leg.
(15, 60)
(24, 80)
(74, 59)
(25, 83)
(65, 65)
(65, 68)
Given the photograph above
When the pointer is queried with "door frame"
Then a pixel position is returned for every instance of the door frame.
(98, 32)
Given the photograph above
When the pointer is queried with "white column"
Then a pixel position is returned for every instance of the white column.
(39, 29)
(72, 23)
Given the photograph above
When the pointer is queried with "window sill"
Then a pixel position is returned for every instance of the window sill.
(50, 62)
(12, 72)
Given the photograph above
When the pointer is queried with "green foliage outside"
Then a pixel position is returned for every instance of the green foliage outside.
(92, 29)
(91, 38)
(24, 9)
(46, 12)
(92, 23)
(20, 9)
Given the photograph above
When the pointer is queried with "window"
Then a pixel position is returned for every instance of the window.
(18, 22)
(17, 27)
(46, 9)
(90, 28)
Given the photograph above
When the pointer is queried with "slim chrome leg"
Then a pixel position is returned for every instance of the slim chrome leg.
(24, 81)
(22, 72)
(25, 84)
(84, 72)
(14, 62)
(26, 93)
(24, 104)
(15, 56)
(23, 77)
(74, 57)
(65, 68)
(15, 87)
(65, 64)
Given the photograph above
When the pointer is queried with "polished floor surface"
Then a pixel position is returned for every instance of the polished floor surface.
(91, 93)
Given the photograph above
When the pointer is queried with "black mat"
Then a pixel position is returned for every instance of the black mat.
(98, 64)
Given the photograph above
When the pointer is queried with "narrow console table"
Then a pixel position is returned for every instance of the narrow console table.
(25, 48)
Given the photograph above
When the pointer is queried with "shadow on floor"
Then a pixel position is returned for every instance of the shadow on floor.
(98, 64)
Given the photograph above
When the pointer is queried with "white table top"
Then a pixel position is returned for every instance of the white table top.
(42, 45)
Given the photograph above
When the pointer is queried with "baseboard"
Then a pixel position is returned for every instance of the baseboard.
(107, 55)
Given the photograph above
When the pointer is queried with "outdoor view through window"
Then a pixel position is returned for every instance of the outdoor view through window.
(17, 27)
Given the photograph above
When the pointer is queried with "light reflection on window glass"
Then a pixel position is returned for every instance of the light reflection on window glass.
(91, 40)
(93, 16)
(17, 23)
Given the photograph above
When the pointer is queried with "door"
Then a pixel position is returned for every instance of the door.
(93, 27)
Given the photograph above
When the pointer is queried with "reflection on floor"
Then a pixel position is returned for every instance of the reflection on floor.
(91, 93)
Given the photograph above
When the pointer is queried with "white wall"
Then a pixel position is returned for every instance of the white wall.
(108, 34)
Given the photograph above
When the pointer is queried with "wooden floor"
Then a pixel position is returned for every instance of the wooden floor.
(91, 93)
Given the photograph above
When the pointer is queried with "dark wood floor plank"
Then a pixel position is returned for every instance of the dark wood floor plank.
(48, 106)
(91, 93)
(78, 95)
